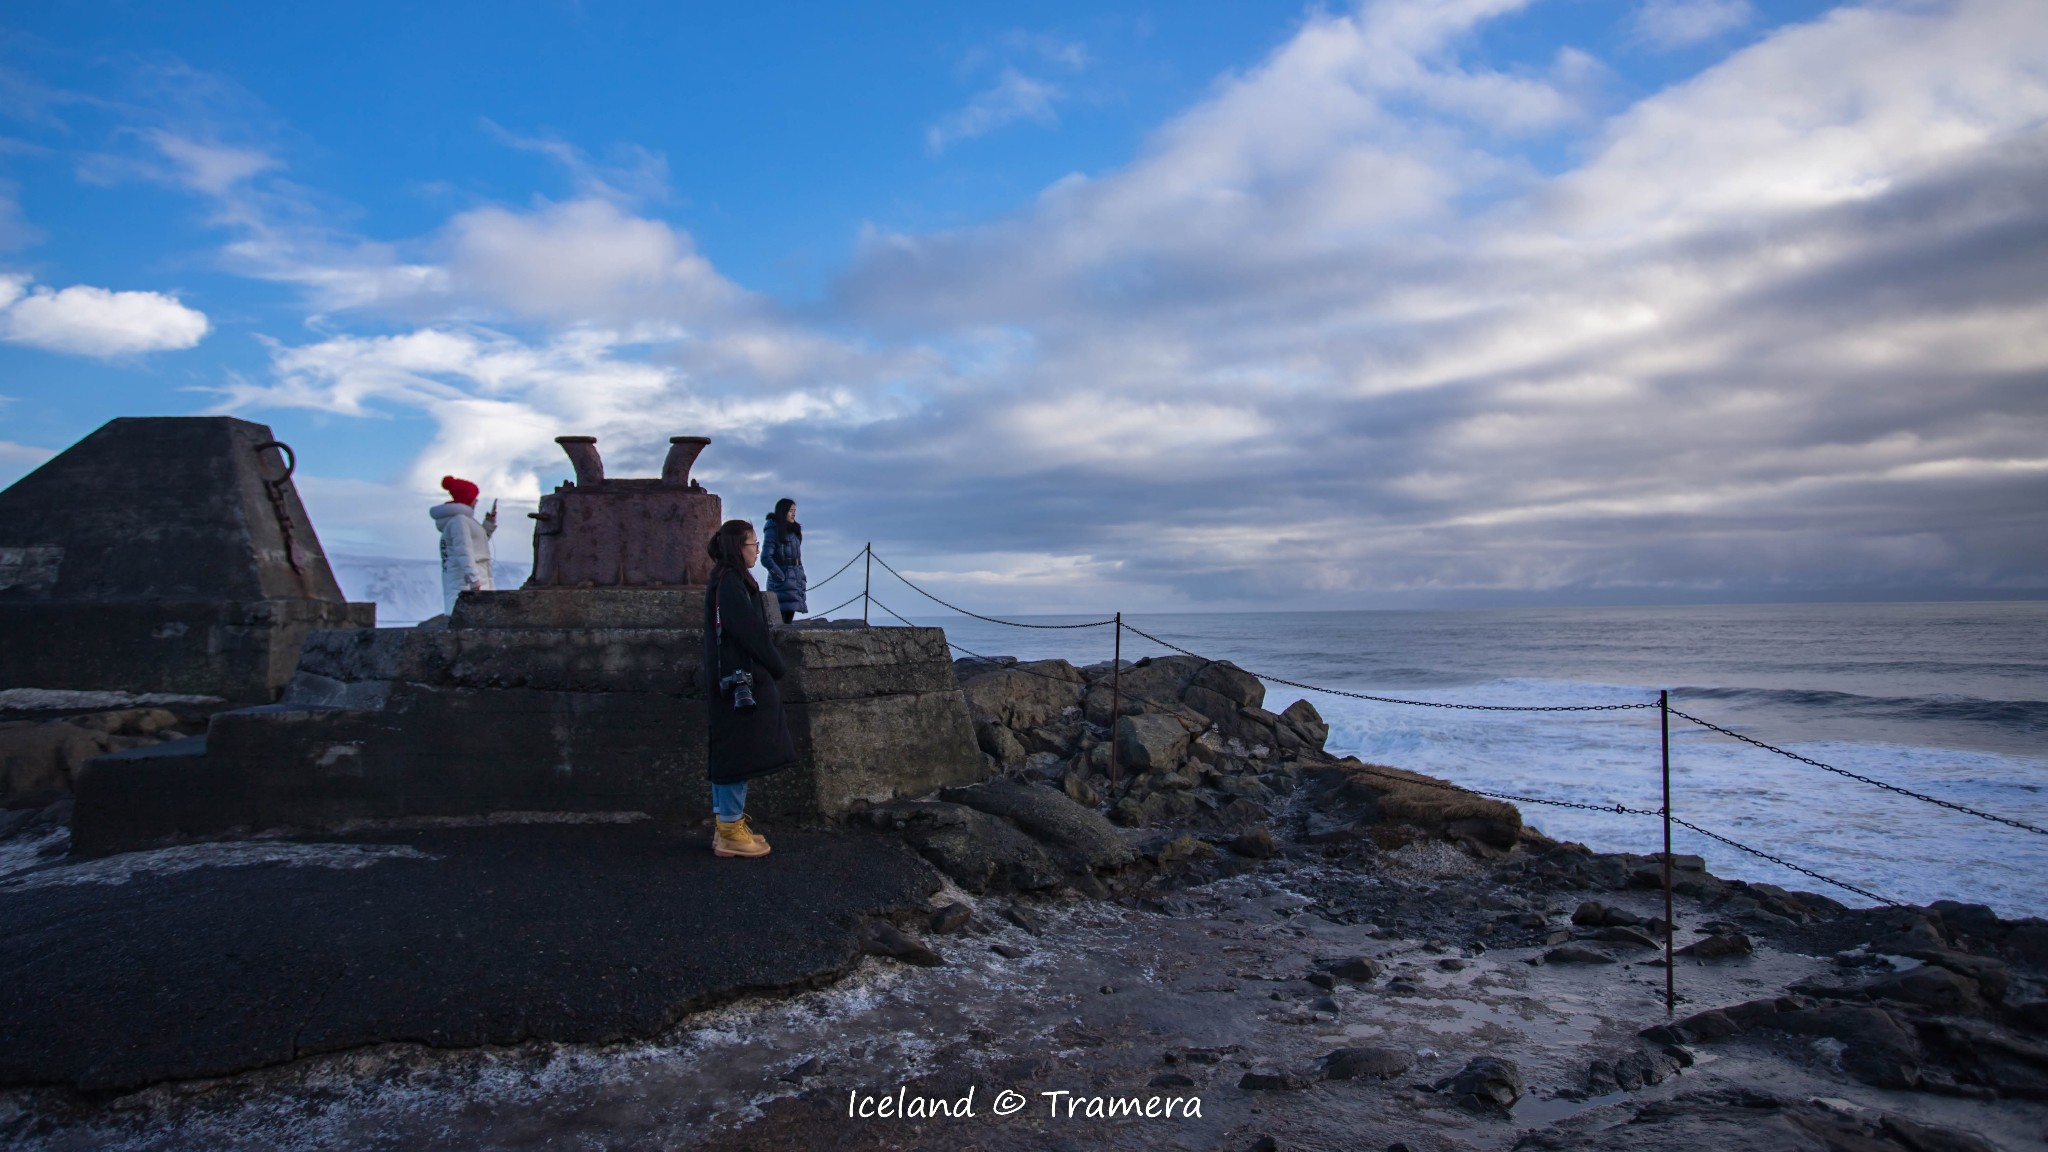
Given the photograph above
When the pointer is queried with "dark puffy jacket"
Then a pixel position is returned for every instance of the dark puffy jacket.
(782, 554)
(743, 744)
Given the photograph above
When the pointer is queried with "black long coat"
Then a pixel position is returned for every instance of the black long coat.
(743, 745)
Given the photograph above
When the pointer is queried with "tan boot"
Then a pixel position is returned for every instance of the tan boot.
(738, 838)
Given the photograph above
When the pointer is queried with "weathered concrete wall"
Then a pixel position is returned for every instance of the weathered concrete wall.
(405, 724)
(151, 557)
(237, 650)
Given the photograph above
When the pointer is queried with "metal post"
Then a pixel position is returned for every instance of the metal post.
(1670, 987)
(867, 578)
(1116, 698)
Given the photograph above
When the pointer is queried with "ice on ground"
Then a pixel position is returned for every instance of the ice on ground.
(184, 858)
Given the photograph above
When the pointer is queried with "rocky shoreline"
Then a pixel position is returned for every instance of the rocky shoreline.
(1324, 953)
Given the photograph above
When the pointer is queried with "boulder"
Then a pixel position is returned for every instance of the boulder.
(998, 741)
(1160, 679)
(1305, 720)
(1931, 986)
(883, 939)
(1150, 742)
(1401, 796)
(981, 852)
(1023, 696)
(1366, 1063)
(1620, 935)
(1720, 946)
(1363, 969)
(1976, 920)
(1992, 976)
(1255, 843)
(1081, 788)
(1077, 837)
(1227, 680)
(1485, 1084)
(1184, 848)
(1217, 707)
(1878, 1050)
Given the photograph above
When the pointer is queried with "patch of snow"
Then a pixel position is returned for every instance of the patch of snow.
(186, 857)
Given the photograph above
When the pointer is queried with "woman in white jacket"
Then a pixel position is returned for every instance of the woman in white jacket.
(465, 544)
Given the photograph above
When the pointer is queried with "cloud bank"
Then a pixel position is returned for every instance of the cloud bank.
(1339, 334)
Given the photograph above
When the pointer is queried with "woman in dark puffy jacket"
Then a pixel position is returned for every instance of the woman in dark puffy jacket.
(782, 553)
(749, 737)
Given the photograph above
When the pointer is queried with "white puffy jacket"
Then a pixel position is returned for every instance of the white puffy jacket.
(465, 551)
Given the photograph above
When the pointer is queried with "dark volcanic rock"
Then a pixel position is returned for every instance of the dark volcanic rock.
(1373, 1063)
(492, 936)
(1077, 837)
(1363, 969)
(888, 940)
(983, 853)
(1932, 987)
(1576, 954)
(1486, 1084)
(1620, 935)
(1719, 947)
(951, 918)
(1879, 1051)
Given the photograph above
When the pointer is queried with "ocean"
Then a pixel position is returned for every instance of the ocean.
(1946, 699)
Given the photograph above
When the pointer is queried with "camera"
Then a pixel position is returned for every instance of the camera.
(741, 685)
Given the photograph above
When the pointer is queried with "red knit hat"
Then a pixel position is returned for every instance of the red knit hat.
(460, 491)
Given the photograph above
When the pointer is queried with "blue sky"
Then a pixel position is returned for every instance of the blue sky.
(1210, 305)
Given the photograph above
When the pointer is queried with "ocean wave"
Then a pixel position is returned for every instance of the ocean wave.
(2019, 716)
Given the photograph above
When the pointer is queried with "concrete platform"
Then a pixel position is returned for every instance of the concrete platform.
(387, 725)
(213, 959)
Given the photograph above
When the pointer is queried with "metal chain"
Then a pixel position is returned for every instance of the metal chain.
(979, 616)
(835, 607)
(1415, 703)
(1784, 863)
(835, 575)
(1949, 804)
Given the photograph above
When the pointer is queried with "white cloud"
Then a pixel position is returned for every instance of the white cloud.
(1013, 97)
(89, 321)
(1678, 23)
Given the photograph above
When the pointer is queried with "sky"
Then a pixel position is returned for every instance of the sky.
(1084, 307)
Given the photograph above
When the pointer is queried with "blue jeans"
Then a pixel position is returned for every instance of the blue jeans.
(729, 800)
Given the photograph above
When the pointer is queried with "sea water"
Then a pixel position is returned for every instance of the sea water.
(1946, 699)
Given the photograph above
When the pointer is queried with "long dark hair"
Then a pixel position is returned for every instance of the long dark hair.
(782, 520)
(725, 548)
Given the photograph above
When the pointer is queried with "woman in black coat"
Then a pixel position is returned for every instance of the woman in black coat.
(782, 554)
(745, 742)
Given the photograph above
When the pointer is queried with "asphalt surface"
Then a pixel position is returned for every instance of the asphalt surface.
(574, 933)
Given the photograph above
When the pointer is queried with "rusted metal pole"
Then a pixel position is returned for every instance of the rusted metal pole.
(867, 578)
(1670, 985)
(1116, 697)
